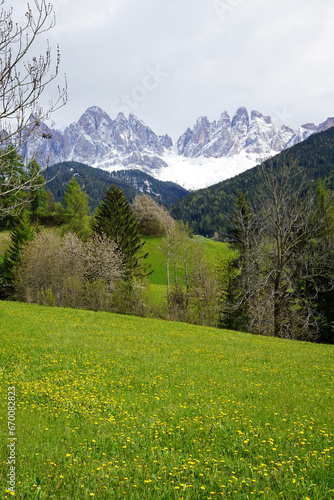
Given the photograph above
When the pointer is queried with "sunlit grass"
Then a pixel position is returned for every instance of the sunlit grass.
(158, 294)
(118, 407)
(157, 258)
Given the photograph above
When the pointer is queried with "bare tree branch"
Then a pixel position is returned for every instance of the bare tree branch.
(286, 255)
(23, 79)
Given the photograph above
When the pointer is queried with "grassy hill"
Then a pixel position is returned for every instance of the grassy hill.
(207, 210)
(157, 259)
(112, 407)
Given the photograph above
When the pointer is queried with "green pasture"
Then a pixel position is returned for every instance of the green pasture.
(157, 259)
(121, 407)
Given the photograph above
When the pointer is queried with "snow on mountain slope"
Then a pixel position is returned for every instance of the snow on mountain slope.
(197, 173)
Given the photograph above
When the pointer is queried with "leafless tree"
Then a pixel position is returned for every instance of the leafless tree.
(204, 288)
(45, 263)
(171, 246)
(245, 238)
(73, 273)
(23, 79)
(298, 255)
(103, 262)
(291, 260)
(193, 288)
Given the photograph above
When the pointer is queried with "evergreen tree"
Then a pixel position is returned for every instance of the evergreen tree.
(50, 204)
(22, 233)
(243, 271)
(37, 193)
(116, 219)
(12, 174)
(76, 209)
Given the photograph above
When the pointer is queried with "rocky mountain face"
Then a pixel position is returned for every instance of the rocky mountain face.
(127, 143)
(97, 140)
(256, 134)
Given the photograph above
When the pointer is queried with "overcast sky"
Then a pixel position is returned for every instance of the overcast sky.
(171, 61)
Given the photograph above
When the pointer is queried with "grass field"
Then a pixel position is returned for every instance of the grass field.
(157, 258)
(114, 407)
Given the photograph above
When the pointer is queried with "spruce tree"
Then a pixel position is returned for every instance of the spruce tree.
(76, 210)
(241, 271)
(116, 219)
(22, 233)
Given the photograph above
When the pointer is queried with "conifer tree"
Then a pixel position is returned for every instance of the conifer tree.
(76, 209)
(243, 270)
(22, 233)
(116, 219)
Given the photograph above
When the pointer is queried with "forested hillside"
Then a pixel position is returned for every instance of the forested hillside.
(207, 210)
(95, 182)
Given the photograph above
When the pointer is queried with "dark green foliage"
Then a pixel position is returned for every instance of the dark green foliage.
(116, 219)
(21, 233)
(243, 271)
(21, 187)
(325, 300)
(325, 306)
(233, 318)
(38, 204)
(243, 230)
(208, 210)
(12, 174)
(95, 182)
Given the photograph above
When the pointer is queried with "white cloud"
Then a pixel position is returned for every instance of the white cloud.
(272, 55)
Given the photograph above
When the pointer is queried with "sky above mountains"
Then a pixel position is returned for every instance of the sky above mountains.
(170, 61)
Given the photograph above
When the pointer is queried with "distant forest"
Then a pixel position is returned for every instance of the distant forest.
(207, 211)
(95, 182)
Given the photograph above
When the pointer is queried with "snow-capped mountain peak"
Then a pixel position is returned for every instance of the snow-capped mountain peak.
(207, 153)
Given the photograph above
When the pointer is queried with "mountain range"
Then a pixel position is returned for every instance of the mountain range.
(204, 155)
(208, 210)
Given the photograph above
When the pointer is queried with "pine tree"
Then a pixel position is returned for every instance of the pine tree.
(22, 233)
(116, 219)
(240, 271)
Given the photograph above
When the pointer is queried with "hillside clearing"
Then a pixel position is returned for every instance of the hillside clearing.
(124, 407)
(157, 258)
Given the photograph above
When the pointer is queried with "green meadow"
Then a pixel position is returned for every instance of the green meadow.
(116, 407)
(157, 259)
